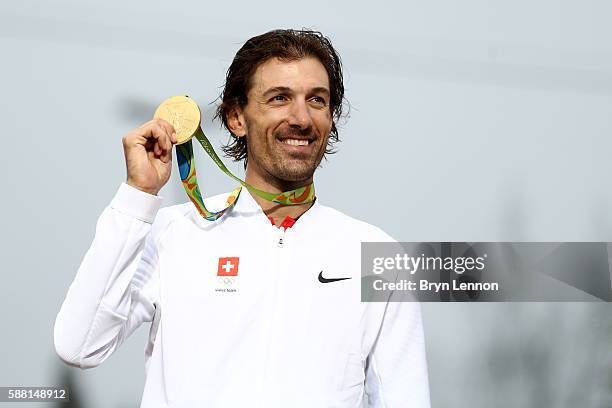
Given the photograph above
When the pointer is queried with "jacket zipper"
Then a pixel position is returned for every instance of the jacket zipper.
(279, 241)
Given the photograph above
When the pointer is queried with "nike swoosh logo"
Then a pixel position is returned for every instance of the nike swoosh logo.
(326, 280)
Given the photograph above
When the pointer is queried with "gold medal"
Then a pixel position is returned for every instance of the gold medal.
(181, 112)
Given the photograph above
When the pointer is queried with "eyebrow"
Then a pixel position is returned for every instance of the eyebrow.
(317, 89)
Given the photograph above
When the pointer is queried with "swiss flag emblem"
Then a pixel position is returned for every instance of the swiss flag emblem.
(228, 266)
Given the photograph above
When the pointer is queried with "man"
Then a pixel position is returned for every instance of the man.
(260, 308)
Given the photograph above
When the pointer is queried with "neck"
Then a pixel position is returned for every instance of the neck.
(278, 212)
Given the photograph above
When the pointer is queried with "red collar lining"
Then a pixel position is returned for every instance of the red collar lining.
(287, 222)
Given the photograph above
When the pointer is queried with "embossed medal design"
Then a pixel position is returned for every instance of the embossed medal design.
(183, 113)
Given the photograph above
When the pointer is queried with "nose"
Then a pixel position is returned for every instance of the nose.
(299, 115)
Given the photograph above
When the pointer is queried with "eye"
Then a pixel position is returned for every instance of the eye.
(278, 98)
(319, 100)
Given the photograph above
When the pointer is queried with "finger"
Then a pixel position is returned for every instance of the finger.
(169, 128)
(154, 130)
(163, 150)
(163, 144)
(166, 140)
(164, 124)
(167, 143)
(150, 130)
(168, 156)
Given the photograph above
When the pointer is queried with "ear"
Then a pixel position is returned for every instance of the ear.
(236, 121)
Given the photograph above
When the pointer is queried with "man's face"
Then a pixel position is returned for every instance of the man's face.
(287, 119)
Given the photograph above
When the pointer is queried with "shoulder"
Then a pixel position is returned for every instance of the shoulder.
(339, 221)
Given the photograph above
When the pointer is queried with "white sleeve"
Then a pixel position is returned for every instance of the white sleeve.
(397, 368)
(115, 288)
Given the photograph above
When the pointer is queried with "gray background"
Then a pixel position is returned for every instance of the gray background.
(470, 121)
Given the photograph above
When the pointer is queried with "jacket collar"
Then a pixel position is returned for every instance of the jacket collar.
(247, 206)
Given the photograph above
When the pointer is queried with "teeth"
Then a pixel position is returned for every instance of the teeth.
(296, 142)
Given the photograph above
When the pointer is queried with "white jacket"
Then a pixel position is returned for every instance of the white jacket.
(271, 336)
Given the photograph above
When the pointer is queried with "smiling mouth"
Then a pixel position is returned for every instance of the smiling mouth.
(296, 142)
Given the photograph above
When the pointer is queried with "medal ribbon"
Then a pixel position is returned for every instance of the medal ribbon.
(186, 165)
